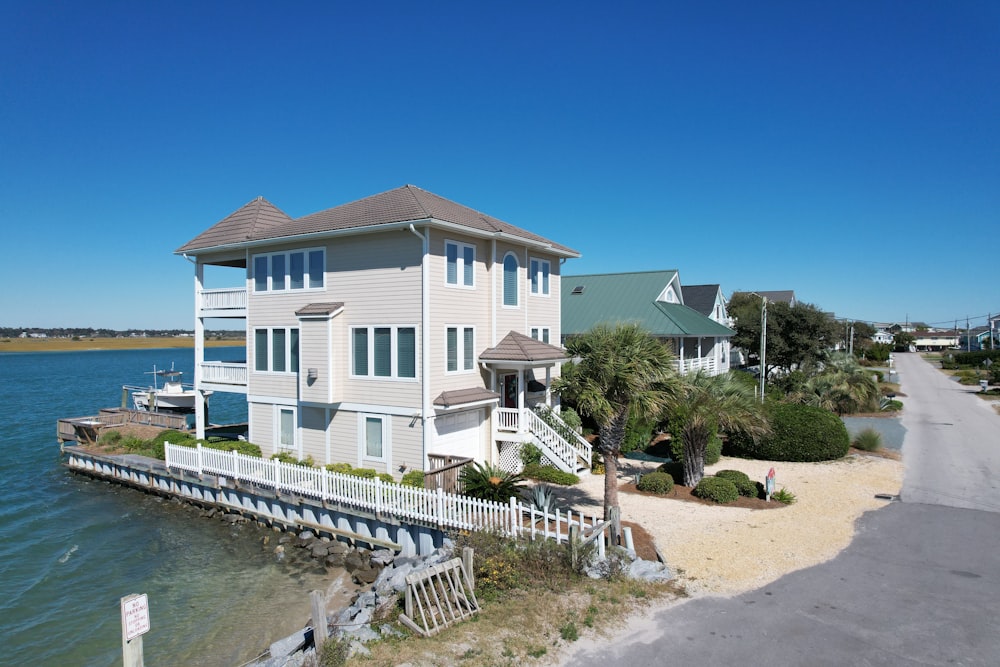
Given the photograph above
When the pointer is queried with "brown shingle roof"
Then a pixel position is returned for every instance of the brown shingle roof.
(518, 347)
(406, 204)
(255, 219)
(449, 399)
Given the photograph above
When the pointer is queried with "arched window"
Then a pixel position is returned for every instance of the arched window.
(510, 281)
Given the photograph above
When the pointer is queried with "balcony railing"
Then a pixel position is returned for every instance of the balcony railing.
(224, 372)
(229, 299)
(706, 364)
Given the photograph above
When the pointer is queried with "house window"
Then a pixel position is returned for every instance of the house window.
(461, 264)
(294, 270)
(540, 276)
(384, 352)
(541, 333)
(461, 349)
(276, 350)
(510, 286)
(285, 426)
(373, 437)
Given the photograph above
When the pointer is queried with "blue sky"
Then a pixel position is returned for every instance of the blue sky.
(849, 151)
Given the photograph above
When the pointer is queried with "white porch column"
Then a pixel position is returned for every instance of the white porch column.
(683, 372)
(199, 351)
(548, 392)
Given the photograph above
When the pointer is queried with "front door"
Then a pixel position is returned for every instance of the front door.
(509, 390)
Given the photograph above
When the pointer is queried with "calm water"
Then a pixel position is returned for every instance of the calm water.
(71, 547)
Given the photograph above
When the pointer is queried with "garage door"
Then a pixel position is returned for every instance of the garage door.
(459, 434)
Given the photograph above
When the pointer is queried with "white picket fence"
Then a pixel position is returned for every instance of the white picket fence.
(445, 510)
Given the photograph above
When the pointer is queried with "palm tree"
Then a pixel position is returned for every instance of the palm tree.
(707, 404)
(621, 370)
(842, 386)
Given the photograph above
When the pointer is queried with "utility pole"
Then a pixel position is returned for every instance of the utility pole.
(968, 335)
(851, 350)
(763, 343)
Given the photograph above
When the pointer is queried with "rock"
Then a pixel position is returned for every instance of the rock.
(234, 519)
(294, 642)
(382, 557)
(338, 547)
(306, 538)
(645, 570)
(366, 575)
(286, 538)
(334, 560)
(319, 549)
(355, 561)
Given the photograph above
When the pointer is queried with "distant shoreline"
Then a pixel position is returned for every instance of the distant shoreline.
(97, 343)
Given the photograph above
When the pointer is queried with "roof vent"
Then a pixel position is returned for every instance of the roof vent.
(579, 289)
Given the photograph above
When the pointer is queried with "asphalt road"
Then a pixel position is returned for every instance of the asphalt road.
(919, 584)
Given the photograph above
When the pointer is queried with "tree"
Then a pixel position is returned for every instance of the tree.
(621, 371)
(796, 335)
(902, 341)
(842, 386)
(864, 335)
(707, 404)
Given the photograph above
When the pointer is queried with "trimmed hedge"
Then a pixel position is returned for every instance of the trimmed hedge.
(549, 474)
(746, 486)
(717, 490)
(798, 433)
(413, 478)
(656, 482)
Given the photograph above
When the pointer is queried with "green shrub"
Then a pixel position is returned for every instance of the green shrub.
(364, 473)
(596, 463)
(746, 486)
(798, 433)
(890, 405)
(717, 490)
(530, 454)
(571, 418)
(241, 446)
(489, 482)
(412, 478)
(110, 437)
(784, 496)
(656, 482)
(638, 433)
(673, 468)
(387, 478)
(342, 468)
(868, 440)
(549, 474)
(174, 438)
(288, 457)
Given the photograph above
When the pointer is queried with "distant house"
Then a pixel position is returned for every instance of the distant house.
(390, 332)
(883, 333)
(774, 296)
(935, 340)
(656, 301)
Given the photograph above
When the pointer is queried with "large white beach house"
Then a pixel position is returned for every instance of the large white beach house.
(385, 332)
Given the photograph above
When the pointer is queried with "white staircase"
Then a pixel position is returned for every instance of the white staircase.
(568, 455)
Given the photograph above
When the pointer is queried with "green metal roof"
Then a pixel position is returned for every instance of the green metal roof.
(631, 297)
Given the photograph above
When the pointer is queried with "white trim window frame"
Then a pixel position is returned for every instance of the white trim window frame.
(302, 269)
(368, 352)
(276, 350)
(543, 334)
(286, 429)
(374, 431)
(511, 284)
(541, 276)
(460, 264)
(459, 349)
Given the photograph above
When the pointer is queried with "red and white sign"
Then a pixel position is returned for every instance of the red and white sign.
(135, 616)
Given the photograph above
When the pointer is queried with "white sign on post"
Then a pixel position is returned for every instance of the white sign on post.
(135, 616)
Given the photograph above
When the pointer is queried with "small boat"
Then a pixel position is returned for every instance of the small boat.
(173, 396)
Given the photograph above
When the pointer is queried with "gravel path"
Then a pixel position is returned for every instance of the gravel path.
(727, 550)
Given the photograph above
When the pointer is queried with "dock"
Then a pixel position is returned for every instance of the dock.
(87, 430)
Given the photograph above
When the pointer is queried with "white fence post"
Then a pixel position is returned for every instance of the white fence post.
(378, 496)
(166, 453)
(515, 516)
(277, 474)
(201, 467)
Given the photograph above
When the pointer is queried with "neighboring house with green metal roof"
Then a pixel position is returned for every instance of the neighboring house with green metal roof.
(655, 301)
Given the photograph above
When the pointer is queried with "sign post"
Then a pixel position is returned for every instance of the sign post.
(135, 623)
(769, 484)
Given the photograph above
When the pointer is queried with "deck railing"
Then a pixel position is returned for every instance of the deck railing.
(445, 471)
(569, 451)
(696, 364)
(229, 298)
(224, 372)
(507, 419)
(437, 507)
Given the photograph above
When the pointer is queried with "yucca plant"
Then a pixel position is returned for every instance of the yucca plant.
(540, 496)
(489, 482)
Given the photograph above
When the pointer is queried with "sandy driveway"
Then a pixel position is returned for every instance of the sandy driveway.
(729, 550)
